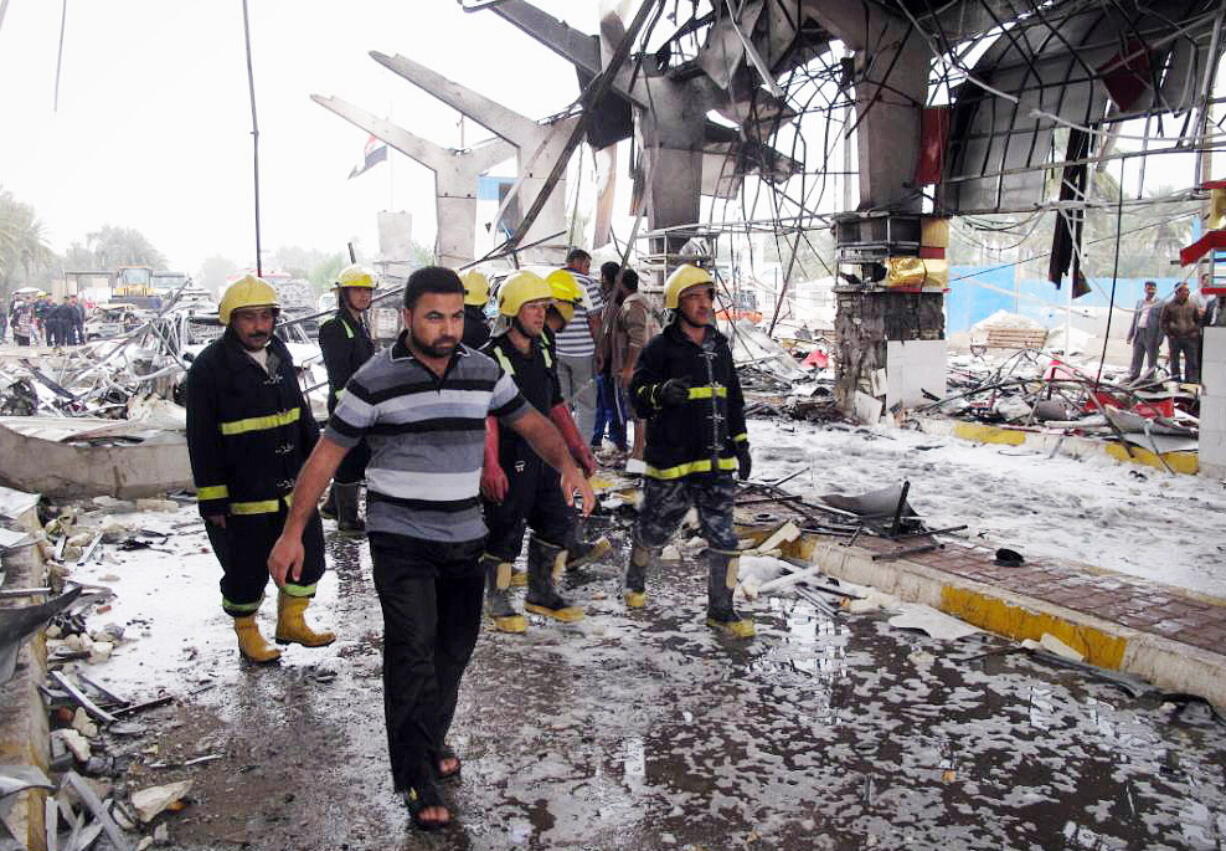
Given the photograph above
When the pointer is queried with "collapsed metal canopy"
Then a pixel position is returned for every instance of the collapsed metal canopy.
(1077, 65)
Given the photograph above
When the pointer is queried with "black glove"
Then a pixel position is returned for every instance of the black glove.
(675, 391)
(744, 462)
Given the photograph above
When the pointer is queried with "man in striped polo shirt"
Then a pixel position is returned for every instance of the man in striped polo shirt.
(421, 407)
(576, 346)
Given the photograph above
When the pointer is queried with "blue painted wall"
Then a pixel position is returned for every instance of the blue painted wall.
(968, 301)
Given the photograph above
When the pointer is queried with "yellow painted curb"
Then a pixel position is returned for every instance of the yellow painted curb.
(1186, 463)
(1181, 462)
(1018, 623)
(989, 434)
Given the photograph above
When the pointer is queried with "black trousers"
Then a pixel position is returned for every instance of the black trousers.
(431, 595)
(242, 548)
(1189, 348)
(534, 499)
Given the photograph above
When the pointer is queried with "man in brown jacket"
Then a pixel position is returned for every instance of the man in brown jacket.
(633, 328)
(1181, 324)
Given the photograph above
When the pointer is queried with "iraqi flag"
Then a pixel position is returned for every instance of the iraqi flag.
(375, 153)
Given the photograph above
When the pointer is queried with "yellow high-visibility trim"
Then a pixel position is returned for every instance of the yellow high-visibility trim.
(212, 492)
(339, 393)
(234, 608)
(261, 423)
(706, 391)
(703, 466)
(263, 506)
(740, 438)
(292, 590)
(504, 361)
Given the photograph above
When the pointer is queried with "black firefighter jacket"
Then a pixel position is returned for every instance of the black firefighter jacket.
(697, 436)
(248, 431)
(346, 345)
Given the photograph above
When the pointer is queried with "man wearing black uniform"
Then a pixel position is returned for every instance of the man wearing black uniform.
(686, 387)
(249, 430)
(77, 336)
(518, 487)
(476, 297)
(345, 343)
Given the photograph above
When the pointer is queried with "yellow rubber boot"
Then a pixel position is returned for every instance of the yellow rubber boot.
(292, 627)
(251, 643)
(497, 599)
(722, 570)
(545, 562)
(635, 580)
(582, 553)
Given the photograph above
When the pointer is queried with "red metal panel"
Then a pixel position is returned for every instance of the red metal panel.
(934, 133)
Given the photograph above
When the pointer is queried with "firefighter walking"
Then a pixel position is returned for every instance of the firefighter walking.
(476, 297)
(249, 430)
(519, 489)
(686, 387)
(345, 343)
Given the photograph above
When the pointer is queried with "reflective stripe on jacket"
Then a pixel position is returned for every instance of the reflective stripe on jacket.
(345, 345)
(248, 431)
(699, 435)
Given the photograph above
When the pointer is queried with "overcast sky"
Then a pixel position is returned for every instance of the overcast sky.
(153, 127)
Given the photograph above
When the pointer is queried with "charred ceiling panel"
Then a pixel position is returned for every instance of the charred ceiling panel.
(1067, 65)
(611, 119)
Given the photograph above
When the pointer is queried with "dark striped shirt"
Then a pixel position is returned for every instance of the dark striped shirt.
(426, 438)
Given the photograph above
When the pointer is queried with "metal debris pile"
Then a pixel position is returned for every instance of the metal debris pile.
(127, 376)
(101, 751)
(103, 377)
(1035, 390)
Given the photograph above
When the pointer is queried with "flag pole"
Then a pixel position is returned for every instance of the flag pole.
(255, 142)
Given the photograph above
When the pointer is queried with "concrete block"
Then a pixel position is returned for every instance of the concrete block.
(1213, 454)
(1215, 345)
(1213, 413)
(1213, 379)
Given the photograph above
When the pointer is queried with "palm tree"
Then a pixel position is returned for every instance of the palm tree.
(23, 244)
(117, 246)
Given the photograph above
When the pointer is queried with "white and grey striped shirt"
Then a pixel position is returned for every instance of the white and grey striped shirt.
(575, 340)
(426, 438)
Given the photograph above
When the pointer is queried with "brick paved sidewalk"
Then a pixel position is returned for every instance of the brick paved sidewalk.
(1132, 602)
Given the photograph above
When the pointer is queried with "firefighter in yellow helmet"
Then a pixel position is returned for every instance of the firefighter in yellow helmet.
(346, 344)
(249, 430)
(518, 488)
(686, 387)
(476, 298)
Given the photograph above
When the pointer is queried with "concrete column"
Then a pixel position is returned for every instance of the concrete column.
(892, 84)
(864, 324)
(1213, 405)
(455, 176)
(537, 146)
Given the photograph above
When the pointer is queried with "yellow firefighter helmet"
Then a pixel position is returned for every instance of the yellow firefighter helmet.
(566, 292)
(476, 288)
(519, 289)
(356, 275)
(247, 291)
(682, 278)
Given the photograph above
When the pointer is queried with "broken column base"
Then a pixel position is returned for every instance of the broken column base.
(865, 323)
(24, 729)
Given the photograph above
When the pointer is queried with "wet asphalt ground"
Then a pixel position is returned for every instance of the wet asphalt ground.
(646, 730)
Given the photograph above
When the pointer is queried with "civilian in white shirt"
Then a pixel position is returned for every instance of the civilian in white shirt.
(1146, 331)
(576, 346)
